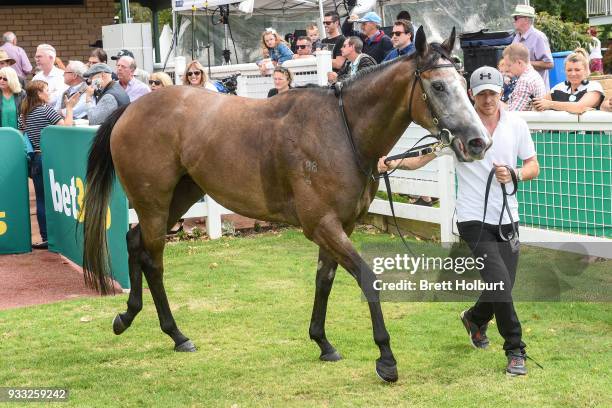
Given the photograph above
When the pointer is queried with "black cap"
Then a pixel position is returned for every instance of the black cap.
(122, 53)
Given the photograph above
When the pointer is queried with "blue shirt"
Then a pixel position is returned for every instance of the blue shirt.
(280, 53)
(394, 53)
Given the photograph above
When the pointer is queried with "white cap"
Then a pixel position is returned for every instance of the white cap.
(486, 78)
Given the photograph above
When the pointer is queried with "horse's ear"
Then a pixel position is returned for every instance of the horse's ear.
(449, 43)
(420, 41)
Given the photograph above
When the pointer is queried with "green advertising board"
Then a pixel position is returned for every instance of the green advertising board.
(15, 233)
(65, 151)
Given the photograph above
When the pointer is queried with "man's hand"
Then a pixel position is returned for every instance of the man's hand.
(541, 104)
(332, 77)
(502, 173)
(382, 166)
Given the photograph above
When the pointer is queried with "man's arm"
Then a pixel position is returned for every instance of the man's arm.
(409, 163)
(530, 170)
(26, 67)
(542, 65)
(98, 113)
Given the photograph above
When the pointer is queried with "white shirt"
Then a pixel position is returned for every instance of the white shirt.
(511, 139)
(55, 82)
(595, 48)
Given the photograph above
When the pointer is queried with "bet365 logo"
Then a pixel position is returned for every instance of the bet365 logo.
(3, 226)
(68, 198)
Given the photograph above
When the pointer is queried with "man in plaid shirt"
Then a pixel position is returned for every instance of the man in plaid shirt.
(529, 84)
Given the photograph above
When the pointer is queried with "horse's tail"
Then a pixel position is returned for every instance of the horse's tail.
(99, 181)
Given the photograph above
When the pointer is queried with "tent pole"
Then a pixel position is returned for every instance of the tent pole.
(321, 14)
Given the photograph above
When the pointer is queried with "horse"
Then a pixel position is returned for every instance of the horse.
(300, 158)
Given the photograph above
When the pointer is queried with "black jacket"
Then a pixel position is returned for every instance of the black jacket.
(364, 62)
(378, 48)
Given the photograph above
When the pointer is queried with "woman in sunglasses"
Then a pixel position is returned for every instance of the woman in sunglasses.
(282, 81)
(159, 80)
(12, 95)
(275, 50)
(195, 75)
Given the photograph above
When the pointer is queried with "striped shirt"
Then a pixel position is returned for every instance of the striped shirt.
(39, 118)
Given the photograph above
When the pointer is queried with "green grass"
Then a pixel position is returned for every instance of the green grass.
(246, 303)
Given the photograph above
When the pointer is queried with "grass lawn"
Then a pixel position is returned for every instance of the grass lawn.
(246, 304)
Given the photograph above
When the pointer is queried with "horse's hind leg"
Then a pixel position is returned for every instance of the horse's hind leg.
(134, 245)
(330, 236)
(154, 239)
(326, 271)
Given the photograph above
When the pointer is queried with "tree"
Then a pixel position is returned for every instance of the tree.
(568, 10)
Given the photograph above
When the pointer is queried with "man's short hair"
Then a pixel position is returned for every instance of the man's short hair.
(132, 62)
(100, 54)
(48, 49)
(404, 15)
(356, 43)
(8, 37)
(304, 38)
(334, 15)
(408, 27)
(77, 67)
(516, 52)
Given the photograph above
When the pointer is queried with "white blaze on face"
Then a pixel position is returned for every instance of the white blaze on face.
(453, 107)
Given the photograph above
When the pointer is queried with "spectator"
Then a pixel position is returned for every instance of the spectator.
(404, 15)
(195, 75)
(37, 114)
(303, 48)
(402, 35)
(53, 76)
(535, 41)
(334, 37)
(12, 95)
(606, 105)
(22, 63)
(6, 61)
(274, 49)
(529, 84)
(97, 56)
(577, 94)
(108, 97)
(595, 49)
(376, 43)
(73, 77)
(125, 72)
(140, 74)
(59, 63)
(312, 31)
(159, 80)
(355, 60)
(282, 81)
(509, 80)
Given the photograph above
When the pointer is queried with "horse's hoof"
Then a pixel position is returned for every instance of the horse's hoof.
(118, 325)
(186, 347)
(333, 356)
(386, 372)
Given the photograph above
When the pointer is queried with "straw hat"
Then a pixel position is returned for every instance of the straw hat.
(524, 10)
(4, 57)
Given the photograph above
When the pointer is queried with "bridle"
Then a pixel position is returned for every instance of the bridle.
(443, 138)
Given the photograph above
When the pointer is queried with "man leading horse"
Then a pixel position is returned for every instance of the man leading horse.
(489, 222)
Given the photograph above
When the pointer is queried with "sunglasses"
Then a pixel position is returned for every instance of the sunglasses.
(397, 33)
(302, 47)
(154, 81)
(517, 17)
(328, 22)
(3, 79)
(196, 73)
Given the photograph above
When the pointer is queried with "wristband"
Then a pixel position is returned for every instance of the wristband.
(519, 174)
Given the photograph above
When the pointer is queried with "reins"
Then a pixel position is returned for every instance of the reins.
(415, 150)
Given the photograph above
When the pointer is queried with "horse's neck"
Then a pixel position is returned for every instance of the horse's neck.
(377, 108)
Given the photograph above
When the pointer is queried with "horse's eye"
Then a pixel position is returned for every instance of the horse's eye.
(438, 86)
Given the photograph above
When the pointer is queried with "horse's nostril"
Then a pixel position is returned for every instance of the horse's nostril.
(476, 145)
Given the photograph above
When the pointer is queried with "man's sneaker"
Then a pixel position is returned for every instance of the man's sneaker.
(41, 245)
(516, 363)
(478, 335)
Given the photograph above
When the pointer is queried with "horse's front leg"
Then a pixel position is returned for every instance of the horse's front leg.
(331, 237)
(326, 271)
